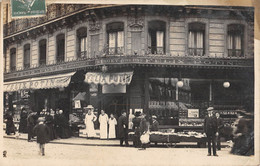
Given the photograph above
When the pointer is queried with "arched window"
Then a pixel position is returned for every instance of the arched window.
(235, 40)
(13, 59)
(82, 41)
(196, 37)
(156, 37)
(60, 45)
(42, 51)
(115, 36)
(26, 54)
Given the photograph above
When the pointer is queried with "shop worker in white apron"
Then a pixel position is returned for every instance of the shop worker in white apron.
(112, 127)
(103, 121)
(90, 118)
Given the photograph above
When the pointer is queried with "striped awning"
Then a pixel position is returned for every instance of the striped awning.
(122, 78)
(46, 82)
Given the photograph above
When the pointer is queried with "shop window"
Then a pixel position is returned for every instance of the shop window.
(42, 48)
(196, 37)
(60, 45)
(115, 35)
(156, 37)
(82, 41)
(235, 40)
(13, 59)
(26, 58)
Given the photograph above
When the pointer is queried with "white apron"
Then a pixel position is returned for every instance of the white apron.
(103, 120)
(89, 122)
(112, 128)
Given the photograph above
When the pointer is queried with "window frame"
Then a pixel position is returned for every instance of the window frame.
(59, 56)
(80, 36)
(42, 61)
(110, 29)
(234, 29)
(26, 50)
(13, 59)
(196, 27)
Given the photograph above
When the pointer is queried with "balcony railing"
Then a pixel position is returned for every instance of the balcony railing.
(82, 54)
(60, 58)
(116, 50)
(42, 62)
(156, 50)
(235, 53)
(196, 51)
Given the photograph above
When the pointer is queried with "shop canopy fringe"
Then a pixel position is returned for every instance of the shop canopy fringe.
(46, 82)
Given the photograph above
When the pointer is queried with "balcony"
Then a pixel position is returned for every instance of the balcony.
(72, 64)
(196, 51)
(235, 53)
(54, 11)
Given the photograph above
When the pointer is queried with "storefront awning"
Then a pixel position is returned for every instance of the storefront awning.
(123, 78)
(46, 82)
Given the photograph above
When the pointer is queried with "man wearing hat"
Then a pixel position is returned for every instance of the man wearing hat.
(210, 128)
(155, 124)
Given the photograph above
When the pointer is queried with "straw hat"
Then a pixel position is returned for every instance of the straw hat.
(89, 107)
(210, 109)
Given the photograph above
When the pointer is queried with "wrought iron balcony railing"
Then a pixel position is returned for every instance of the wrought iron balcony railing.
(235, 53)
(196, 51)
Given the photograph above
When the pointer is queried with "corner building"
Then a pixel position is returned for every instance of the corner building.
(169, 61)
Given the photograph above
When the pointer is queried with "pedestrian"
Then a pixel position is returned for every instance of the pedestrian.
(155, 124)
(23, 121)
(90, 118)
(50, 123)
(210, 128)
(10, 128)
(30, 125)
(136, 126)
(103, 121)
(112, 127)
(144, 129)
(123, 129)
(65, 131)
(42, 132)
(220, 125)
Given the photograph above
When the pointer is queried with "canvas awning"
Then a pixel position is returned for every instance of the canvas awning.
(46, 82)
(122, 78)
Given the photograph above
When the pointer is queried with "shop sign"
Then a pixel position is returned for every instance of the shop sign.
(77, 104)
(193, 113)
(109, 78)
(27, 8)
(114, 89)
(39, 83)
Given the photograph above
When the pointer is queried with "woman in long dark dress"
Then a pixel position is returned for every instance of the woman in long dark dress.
(136, 126)
(10, 128)
(50, 123)
(23, 121)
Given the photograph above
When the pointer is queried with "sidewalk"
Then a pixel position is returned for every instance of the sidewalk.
(83, 141)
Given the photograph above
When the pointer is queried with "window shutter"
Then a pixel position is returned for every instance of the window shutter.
(159, 38)
(120, 39)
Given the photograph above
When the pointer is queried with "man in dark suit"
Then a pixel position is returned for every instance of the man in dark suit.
(210, 128)
(123, 129)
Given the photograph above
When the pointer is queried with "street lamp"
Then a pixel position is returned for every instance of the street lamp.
(180, 84)
(226, 84)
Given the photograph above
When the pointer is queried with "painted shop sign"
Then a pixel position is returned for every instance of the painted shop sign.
(109, 78)
(172, 61)
(28, 8)
(57, 81)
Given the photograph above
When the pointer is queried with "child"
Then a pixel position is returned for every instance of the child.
(42, 132)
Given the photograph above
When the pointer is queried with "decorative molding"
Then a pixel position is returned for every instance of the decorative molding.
(136, 23)
(94, 26)
(149, 60)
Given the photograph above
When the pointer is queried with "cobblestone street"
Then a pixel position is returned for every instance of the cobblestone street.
(87, 152)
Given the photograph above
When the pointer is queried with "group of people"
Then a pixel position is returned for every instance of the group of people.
(104, 121)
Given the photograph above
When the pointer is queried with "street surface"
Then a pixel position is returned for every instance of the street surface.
(80, 151)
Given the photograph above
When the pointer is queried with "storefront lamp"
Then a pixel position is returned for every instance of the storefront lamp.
(226, 84)
(180, 84)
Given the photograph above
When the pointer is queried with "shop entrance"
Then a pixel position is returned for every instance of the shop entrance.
(114, 104)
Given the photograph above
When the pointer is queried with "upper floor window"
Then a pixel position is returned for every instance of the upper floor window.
(196, 45)
(82, 41)
(42, 51)
(115, 33)
(60, 45)
(156, 37)
(26, 59)
(13, 59)
(235, 40)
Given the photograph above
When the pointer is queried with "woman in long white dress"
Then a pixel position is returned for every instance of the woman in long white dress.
(112, 127)
(103, 120)
(90, 118)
